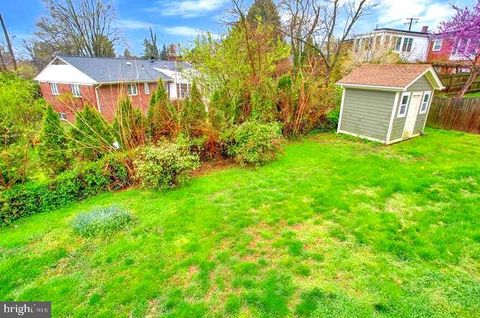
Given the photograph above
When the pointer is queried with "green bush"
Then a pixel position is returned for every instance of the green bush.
(82, 182)
(164, 166)
(101, 220)
(254, 143)
(332, 118)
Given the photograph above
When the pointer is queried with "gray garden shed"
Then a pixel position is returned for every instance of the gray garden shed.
(387, 103)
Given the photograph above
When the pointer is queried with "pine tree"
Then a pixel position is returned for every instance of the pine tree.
(159, 115)
(127, 54)
(53, 143)
(264, 11)
(92, 136)
(164, 53)
(194, 114)
(129, 125)
(150, 46)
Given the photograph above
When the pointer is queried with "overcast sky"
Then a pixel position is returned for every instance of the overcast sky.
(178, 21)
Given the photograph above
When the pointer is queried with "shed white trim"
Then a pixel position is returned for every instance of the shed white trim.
(392, 116)
(341, 110)
(373, 87)
(362, 136)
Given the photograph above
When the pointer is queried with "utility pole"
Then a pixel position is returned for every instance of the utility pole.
(410, 22)
(9, 44)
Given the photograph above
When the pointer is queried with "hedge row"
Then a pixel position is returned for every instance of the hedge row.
(110, 173)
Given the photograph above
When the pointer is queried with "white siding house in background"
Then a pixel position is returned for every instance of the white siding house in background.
(412, 46)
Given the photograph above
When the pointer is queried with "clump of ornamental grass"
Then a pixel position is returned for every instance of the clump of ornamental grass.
(101, 220)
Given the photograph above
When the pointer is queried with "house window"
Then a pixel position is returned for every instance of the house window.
(183, 90)
(132, 89)
(54, 88)
(425, 101)
(398, 44)
(407, 45)
(402, 110)
(461, 46)
(76, 90)
(146, 88)
(62, 116)
(437, 45)
(387, 41)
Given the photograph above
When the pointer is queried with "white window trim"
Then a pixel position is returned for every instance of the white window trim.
(399, 115)
(74, 92)
(146, 88)
(62, 116)
(434, 46)
(131, 93)
(429, 93)
(54, 91)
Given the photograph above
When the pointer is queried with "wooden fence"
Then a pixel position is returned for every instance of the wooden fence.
(457, 114)
(454, 82)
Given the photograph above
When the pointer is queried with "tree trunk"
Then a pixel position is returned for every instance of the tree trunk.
(473, 76)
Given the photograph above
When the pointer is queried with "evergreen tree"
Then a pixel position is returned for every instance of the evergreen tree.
(92, 136)
(150, 46)
(53, 143)
(127, 54)
(164, 53)
(129, 125)
(159, 115)
(264, 11)
(194, 114)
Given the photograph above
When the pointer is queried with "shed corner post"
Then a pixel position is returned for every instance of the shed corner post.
(392, 117)
(341, 109)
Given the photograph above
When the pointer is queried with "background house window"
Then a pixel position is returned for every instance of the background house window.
(146, 88)
(407, 45)
(437, 45)
(62, 116)
(425, 100)
(132, 89)
(54, 88)
(387, 41)
(402, 111)
(398, 44)
(461, 46)
(183, 90)
(76, 90)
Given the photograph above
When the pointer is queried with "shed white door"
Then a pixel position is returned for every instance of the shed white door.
(412, 114)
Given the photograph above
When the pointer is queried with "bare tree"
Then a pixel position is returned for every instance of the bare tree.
(323, 26)
(83, 28)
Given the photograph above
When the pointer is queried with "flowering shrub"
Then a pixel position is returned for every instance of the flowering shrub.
(164, 166)
(254, 143)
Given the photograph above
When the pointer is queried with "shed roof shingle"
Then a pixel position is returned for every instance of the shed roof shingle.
(120, 70)
(386, 75)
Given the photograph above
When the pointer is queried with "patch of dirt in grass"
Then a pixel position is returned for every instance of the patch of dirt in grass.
(212, 166)
(371, 192)
(400, 203)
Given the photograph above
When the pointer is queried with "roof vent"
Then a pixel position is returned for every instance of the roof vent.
(129, 63)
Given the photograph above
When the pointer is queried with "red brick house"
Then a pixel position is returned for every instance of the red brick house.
(446, 55)
(68, 83)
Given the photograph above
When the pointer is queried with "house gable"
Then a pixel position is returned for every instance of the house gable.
(60, 71)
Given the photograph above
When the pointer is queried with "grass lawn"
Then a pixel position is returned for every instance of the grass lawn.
(335, 227)
(472, 95)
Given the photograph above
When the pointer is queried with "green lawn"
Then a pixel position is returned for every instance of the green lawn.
(335, 227)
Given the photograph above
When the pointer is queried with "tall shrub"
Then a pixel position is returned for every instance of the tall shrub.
(160, 115)
(53, 144)
(92, 136)
(194, 114)
(129, 124)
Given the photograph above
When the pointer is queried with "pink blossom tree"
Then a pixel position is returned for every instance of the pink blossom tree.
(463, 31)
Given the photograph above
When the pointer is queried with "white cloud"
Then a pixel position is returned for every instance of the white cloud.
(187, 8)
(181, 31)
(393, 13)
(133, 24)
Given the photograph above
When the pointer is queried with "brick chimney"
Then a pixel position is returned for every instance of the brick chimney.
(425, 29)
